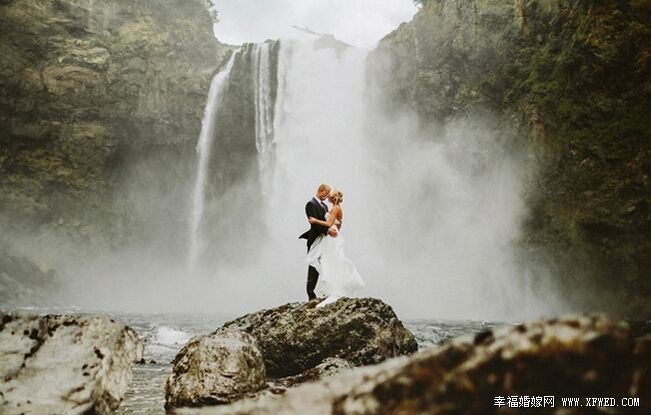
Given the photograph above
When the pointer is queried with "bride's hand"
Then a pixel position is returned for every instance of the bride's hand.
(332, 231)
(311, 220)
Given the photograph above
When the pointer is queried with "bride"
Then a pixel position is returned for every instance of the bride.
(338, 277)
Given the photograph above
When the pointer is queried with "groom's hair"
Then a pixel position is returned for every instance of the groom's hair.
(323, 187)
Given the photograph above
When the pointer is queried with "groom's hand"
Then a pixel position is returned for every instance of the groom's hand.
(332, 231)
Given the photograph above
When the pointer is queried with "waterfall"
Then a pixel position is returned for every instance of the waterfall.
(319, 118)
(264, 132)
(204, 146)
(430, 216)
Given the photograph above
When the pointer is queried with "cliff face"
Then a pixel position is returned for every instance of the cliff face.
(246, 104)
(575, 78)
(87, 87)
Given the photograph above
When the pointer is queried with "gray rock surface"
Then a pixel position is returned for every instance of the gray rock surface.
(215, 369)
(60, 364)
(296, 337)
(23, 282)
(572, 356)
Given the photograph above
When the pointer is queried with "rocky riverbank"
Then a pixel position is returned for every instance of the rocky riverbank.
(67, 364)
(571, 356)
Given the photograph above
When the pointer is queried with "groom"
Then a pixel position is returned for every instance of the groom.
(315, 208)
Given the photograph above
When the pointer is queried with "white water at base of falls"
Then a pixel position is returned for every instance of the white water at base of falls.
(204, 145)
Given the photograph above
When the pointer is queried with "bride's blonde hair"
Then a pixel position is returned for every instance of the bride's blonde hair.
(337, 195)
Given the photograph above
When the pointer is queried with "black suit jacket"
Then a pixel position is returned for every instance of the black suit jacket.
(314, 209)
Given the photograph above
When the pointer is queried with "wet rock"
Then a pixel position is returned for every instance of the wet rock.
(298, 344)
(297, 336)
(60, 364)
(215, 369)
(572, 356)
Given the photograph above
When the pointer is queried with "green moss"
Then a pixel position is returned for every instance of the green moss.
(579, 75)
(12, 57)
(589, 79)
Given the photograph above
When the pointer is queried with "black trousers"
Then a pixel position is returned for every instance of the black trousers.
(312, 278)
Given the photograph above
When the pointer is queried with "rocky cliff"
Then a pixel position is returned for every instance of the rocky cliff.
(89, 86)
(575, 79)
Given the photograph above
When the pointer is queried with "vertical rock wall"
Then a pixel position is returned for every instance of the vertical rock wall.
(574, 77)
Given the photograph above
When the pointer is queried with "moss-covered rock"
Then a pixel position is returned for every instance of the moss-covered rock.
(86, 84)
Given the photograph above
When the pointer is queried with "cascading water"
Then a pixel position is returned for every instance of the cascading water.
(204, 147)
(264, 132)
(319, 135)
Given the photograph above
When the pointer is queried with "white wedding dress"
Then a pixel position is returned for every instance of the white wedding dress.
(338, 277)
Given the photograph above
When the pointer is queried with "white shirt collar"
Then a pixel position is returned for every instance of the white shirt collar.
(319, 201)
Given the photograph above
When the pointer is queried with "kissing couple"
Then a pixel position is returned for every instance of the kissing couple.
(327, 263)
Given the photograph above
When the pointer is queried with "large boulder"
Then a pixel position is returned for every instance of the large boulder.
(63, 364)
(568, 357)
(298, 336)
(215, 369)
